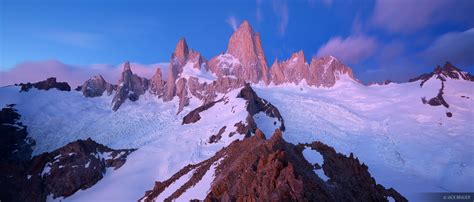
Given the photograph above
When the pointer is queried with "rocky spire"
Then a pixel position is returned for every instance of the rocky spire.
(124, 87)
(130, 86)
(276, 72)
(246, 46)
(178, 60)
(181, 51)
(157, 83)
(262, 59)
(182, 57)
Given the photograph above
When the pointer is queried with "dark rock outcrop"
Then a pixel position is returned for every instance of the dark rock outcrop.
(60, 173)
(350, 177)
(439, 100)
(256, 169)
(193, 116)
(218, 136)
(255, 105)
(96, 86)
(77, 165)
(46, 85)
(15, 145)
(443, 73)
(131, 86)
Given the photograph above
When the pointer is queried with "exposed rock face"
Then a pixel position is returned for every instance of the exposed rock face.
(15, 146)
(325, 71)
(96, 86)
(131, 86)
(293, 70)
(244, 58)
(46, 85)
(256, 169)
(78, 165)
(321, 72)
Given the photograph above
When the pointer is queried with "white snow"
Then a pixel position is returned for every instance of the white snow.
(266, 124)
(390, 199)
(199, 190)
(313, 157)
(201, 74)
(87, 164)
(228, 62)
(46, 170)
(174, 186)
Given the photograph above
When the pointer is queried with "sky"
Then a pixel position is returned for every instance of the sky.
(379, 39)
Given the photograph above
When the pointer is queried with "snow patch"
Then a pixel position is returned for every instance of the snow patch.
(314, 157)
(201, 74)
(228, 62)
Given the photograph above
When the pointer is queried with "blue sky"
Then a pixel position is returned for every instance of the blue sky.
(379, 39)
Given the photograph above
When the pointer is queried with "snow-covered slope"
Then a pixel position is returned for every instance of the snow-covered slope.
(55, 118)
(410, 146)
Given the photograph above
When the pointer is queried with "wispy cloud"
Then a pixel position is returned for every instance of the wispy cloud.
(455, 47)
(76, 39)
(314, 3)
(351, 50)
(408, 16)
(258, 11)
(232, 21)
(280, 8)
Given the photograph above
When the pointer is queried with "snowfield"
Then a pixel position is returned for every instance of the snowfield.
(406, 144)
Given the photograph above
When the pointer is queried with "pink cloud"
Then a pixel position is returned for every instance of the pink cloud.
(350, 50)
(408, 16)
(73, 74)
